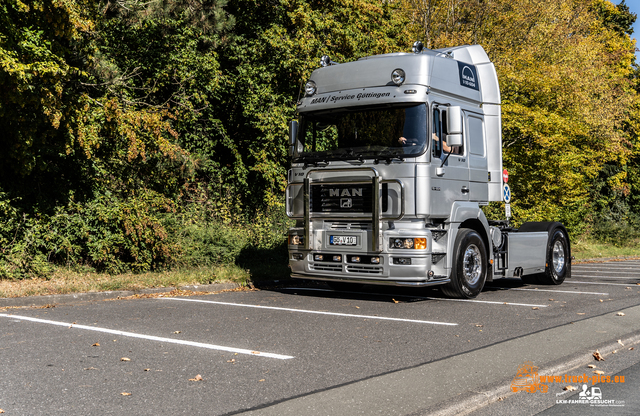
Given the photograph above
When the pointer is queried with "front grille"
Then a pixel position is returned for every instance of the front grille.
(341, 198)
(342, 225)
(325, 267)
(364, 269)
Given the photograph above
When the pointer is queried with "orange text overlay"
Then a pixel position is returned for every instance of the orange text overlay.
(595, 379)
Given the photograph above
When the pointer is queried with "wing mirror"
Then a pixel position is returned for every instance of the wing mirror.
(454, 126)
(293, 136)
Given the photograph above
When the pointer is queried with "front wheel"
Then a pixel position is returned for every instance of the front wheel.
(469, 268)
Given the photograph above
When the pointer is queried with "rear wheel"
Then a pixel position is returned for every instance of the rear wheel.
(558, 265)
(558, 261)
(469, 268)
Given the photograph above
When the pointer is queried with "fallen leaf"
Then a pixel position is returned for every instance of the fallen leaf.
(197, 378)
(125, 394)
(176, 332)
(96, 345)
(91, 368)
(591, 366)
(125, 359)
(551, 299)
(357, 307)
(261, 380)
(255, 352)
(620, 314)
(233, 360)
(614, 352)
(580, 313)
(620, 342)
(395, 301)
(598, 356)
(598, 372)
(478, 325)
(631, 348)
(601, 300)
(535, 308)
(570, 388)
(147, 369)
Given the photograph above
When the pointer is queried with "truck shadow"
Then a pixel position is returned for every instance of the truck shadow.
(394, 294)
(374, 293)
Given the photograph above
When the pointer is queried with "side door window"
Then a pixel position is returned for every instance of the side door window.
(439, 135)
(436, 133)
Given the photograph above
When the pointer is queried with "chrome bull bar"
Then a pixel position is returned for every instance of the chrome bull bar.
(376, 215)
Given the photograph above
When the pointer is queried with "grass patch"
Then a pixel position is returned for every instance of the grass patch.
(254, 265)
(63, 281)
(589, 248)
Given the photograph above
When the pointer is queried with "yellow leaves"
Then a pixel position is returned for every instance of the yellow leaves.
(597, 356)
(197, 378)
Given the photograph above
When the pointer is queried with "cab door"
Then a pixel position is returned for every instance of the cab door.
(451, 183)
(477, 155)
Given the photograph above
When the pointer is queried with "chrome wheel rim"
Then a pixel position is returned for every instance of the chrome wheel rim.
(558, 257)
(472, 265)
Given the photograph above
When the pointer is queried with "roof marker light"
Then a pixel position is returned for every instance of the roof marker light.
(398, 76)
(310, 88)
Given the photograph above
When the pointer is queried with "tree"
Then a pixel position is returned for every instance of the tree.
(564, 77)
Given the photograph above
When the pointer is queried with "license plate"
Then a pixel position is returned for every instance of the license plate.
(343, 240)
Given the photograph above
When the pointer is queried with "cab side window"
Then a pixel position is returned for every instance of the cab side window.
(439, 135)
(436, 133)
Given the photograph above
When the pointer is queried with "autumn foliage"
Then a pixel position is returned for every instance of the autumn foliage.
(139, 135)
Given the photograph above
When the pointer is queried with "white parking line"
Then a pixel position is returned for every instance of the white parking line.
(423, 297)
(384, 318)
(601, 267)
(151, 337)
(605, 283)
(555, 291)
(606, 277)
(607, 271)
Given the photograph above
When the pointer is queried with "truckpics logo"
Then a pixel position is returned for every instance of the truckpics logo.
(468, 76)
(527, 379)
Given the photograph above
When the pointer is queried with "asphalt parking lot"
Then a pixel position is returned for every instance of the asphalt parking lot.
(305, 349)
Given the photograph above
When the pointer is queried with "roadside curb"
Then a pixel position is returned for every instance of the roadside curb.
(501, 390)
(605, 259)
(114, 294)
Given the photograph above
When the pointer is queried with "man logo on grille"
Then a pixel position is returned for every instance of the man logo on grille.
(346, 202)
(345, 192)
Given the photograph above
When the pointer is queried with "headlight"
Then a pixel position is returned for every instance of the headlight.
(398, 76)
(409, 243)
(310, 88)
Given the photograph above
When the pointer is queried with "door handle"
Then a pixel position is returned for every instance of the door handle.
(465, 189)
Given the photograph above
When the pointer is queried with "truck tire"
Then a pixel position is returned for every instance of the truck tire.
(558, 264)
(469, 268)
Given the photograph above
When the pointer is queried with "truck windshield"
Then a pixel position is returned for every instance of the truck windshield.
(360, 133)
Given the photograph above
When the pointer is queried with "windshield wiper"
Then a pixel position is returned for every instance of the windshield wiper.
(389, 158)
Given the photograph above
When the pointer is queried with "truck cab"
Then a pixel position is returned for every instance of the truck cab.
(393, 157)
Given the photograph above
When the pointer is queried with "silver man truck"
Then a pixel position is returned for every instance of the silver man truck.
(393, 157)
